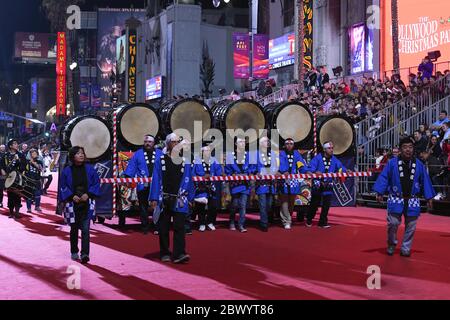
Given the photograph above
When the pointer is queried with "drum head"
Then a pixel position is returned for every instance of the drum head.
(93, 135)
(186, 113)
(294, 122)
(10, 179)
(136, 122)
(245, 115)
(340, 132)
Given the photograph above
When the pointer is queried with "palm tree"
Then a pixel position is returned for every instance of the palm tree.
(300, 44)
(395, 40)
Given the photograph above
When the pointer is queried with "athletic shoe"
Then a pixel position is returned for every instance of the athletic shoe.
(242, 230)
(29, 211)
(165, 259)
(405, 254)
(202, 228)
(183, 258)
(38, 209)
(211, 227)
(309, 224)
(232, 227)
(325, 226)
(156, 232)
(264, 229)
(85, 259)
(189, 232)
(1, 205)
(390, 250)
(75, 256)
(287, 226)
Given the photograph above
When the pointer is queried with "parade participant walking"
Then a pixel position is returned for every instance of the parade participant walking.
(79, 187)
(172, 186)
(142, 165)
(47, 176)
(33, 171)
(13, 161)
(268, 164)
(322, 190)
(207, 194)
(238, 164)
(291, 162)
(404, 179)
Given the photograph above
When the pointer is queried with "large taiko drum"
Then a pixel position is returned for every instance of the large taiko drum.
(339, 130)
(133, 122)
(182, 114)
(90, 132)
(242, 114)
(292, 120)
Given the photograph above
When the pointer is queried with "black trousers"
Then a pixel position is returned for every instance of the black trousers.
(2, 188)
(14, 202)
(46, 181)
(207, 215)
(82, 222)
(179, 235)
(143, 206)
(315, 203)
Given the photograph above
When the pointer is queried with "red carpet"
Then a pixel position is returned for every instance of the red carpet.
(298, 264)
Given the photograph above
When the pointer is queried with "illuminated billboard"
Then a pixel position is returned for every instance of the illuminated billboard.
(282, 51)
(153, 88)
(424, 26)
(35, 47)
(357, 48)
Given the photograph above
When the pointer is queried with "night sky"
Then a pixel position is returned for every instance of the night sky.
(27, 16)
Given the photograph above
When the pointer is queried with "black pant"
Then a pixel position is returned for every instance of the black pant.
(315, 203)
(206, 216)
(48, 180)
(179, 235)
(14, 202)
(143, 206)
(82, 222)
(2, 188)
(302, 211)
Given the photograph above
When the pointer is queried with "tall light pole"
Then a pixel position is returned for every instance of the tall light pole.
(300, 41)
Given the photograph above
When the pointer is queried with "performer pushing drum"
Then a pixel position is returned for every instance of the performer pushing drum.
(172, 186)
(404, 178)
(207, 195)
(13, 161)
(291, 162)
(238, 164)
(322, 189)
(141, 165)
(268, 164)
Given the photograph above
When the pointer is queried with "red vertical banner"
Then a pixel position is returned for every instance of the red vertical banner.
(260, 56)
(241, 51)
(61, 62)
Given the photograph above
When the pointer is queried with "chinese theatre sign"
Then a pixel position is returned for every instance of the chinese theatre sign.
(131, 72)
(61, 74)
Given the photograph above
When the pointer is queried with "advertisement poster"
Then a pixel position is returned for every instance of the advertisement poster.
(96, 100)
(84, 95)
(111, 26)
(128, 194)
(120, 55)
(357, 48)
(424, 26)
(241, 51)
(61, 74)
(132, 61)
(35, 45)
(153, 88)
(370, 50)
(260, 56)
(282, 51)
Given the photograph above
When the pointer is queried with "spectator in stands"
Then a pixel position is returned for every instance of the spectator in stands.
(420, 143)
(434, 148)
(423, 130)
(446, 132)
(426, 68)
(324, 78)
(438, 124)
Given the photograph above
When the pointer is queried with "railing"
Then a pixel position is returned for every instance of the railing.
(390, 137)
(402, 110)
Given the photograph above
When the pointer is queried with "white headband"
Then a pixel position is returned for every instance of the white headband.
(327, 145)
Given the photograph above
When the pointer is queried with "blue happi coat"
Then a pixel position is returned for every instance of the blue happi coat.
(292, 186)
(317, 165)
(267, 187)
(215, 171)
(138, 168)
(66, 191)
(389, 181)
(186, 190)
(232, 168)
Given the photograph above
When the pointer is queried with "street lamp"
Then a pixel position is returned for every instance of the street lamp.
(73, 66)
(16, 90)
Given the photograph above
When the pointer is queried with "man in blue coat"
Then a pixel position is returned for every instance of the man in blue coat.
(268, 164)
(291, 162)
(404, 178)
(238, 164)
(79, 187)
(172, 187)
(207, 194)
(322, 189)
(141, 166)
